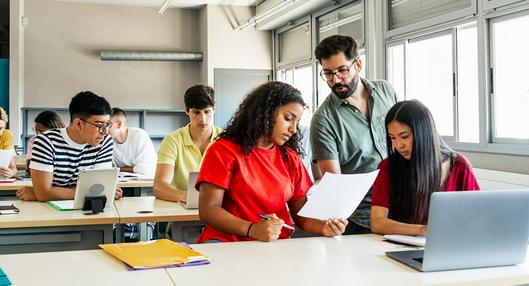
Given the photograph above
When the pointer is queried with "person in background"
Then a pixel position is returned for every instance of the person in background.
(59, 154)
(419, 163)
(253, 182)
(347, 132)
(44, 121)
(182, 151)
(133, 148)
(7, 142)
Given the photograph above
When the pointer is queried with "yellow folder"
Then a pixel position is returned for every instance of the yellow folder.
(151, 254)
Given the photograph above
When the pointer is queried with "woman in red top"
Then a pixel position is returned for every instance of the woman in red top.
(419, 163)
(255, 171)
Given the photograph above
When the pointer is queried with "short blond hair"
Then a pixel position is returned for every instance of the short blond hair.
(3, 115)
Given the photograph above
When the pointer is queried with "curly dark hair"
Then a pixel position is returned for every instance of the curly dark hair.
(255, 117)
(335, 44)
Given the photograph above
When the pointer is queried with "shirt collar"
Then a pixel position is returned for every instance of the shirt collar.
(187, 135)
(338, 101)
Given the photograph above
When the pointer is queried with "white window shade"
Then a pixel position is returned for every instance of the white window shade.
(348, 21)
(406, 12)
(293, 44)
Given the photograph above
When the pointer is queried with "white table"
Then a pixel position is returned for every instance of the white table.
(352, 260)
(80, 268)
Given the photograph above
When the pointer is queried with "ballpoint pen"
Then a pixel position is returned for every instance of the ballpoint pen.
(283, 225)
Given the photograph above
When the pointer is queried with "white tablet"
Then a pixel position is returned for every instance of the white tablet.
(96, 182)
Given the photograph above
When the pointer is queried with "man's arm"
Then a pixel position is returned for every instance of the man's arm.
(45, 191)
(331, 166)
(162, 187)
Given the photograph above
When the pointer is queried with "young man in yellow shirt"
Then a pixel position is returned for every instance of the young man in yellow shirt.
(182, 151)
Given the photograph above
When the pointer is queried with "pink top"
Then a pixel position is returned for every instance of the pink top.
(461, 178)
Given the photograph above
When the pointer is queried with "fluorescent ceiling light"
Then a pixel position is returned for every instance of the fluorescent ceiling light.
(265, 15)
(164, 7)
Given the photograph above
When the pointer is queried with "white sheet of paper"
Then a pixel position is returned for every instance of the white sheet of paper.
(338, 195)
(407, 239)
(5, 157)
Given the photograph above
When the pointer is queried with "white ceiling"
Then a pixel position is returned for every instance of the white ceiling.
(174, 3)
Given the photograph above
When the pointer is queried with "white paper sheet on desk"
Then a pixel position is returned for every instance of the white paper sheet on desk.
(337, 195)
(5, 157)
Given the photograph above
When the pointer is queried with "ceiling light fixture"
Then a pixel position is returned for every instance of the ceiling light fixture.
(164, 7)
(265, 15)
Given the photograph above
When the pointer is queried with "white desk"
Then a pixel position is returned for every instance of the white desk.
(354, 260)
(39, 227)
(80, 268)
(186, 224)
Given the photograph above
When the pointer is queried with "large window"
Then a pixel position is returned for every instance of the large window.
(300, 78)
(440, 70)
(510, 84)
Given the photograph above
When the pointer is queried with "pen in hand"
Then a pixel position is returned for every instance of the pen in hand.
(283, 225)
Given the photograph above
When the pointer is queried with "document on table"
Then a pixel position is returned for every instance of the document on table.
(337, 195)
(406, 239)
(5, 157)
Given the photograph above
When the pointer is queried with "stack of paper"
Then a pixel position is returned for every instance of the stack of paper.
(154, 254)
(406, 239)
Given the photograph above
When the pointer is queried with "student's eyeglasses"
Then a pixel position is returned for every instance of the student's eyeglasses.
(342, 72)
(101, 127)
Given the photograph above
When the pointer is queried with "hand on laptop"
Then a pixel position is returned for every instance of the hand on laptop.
(119, 194)
(334, 227)
(26, 194)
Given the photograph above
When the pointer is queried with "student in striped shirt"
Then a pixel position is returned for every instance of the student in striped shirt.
(59, 154)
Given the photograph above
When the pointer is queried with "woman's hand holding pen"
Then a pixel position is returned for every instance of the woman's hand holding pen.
(267, 229)
(334, 227)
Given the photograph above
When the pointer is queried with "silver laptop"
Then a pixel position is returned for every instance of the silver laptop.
(96, 182)
(192, 193)
(471, 230)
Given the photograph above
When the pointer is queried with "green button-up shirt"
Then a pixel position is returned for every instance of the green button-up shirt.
(339, 131)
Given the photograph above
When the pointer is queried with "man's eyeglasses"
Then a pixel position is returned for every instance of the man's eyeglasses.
(342, 72)
(101, 127)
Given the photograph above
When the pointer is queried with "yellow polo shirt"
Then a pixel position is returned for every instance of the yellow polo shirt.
(7, 140)
(178, 149)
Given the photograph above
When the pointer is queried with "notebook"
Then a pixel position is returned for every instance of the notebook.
(153, 254)
(406, 239)
(66, 205)
(4, 280)
(9, 209)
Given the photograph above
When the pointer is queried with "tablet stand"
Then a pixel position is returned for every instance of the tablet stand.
(95, 204)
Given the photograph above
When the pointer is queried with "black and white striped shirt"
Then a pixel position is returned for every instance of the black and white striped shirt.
(54, 151)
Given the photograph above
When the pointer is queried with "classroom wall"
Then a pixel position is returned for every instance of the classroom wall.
(16, 66)
(62, 44)
(498, 162)
(233, 49)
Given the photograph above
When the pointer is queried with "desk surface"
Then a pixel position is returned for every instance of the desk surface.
(37, 214)
(351, 260)
(84, 267)
(150, 209)
(124, 184)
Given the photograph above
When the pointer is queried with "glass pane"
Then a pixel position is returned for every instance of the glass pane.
(429, 79)
(323, 88)
(467, 85)
(281, 75)
(303, 82)
(511, 88)
(405, 12)
(347, 21)
(395, 68)
(293, 44)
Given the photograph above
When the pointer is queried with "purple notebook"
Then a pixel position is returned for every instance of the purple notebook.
(194, 263)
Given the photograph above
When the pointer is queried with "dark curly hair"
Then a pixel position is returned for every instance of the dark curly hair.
(256, 115)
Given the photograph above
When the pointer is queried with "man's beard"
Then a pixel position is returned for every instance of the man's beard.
(348, 90)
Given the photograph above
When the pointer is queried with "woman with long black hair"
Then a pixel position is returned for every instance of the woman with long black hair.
(418, 164)
(252, 182)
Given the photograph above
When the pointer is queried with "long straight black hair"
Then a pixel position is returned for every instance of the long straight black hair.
(413, 181)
